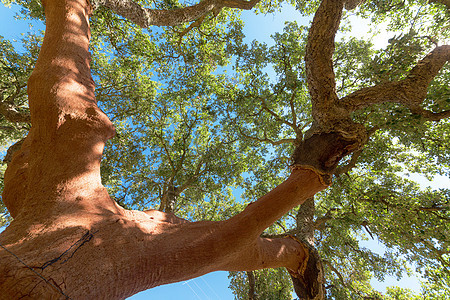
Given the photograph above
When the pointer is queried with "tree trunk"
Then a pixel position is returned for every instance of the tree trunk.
(305, 221)
(68, 238)
(251, 286)
(168, 198)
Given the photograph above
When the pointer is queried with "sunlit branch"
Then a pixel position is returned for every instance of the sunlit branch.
(410, 91)
(163, 142)
(197, 24)
(145, 17)
(276, 116)
(319, 52)
(432, 116)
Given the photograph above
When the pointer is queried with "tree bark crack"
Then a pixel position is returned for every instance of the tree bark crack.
(70, 252)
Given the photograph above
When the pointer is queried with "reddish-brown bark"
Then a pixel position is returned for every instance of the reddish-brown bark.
(69, 239)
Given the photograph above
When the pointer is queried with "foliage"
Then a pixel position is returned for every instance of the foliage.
(15, 69)
(270, 284)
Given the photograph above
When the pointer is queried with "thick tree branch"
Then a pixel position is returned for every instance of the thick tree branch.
(305, 221)
(145, 17)
(251, 286)
(319, 52)
(410, 91)
(327, 114)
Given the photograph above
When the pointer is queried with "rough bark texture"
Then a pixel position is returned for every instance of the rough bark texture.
(328, 116)
(145, 17)
(310, 283)
(333, 115)
(168, 198)
(251, 286)
(322, 152)
(410, 91)
(305, 221)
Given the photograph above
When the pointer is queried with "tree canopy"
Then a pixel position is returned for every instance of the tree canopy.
(207, 123)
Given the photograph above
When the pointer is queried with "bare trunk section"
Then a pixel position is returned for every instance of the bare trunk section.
(116, 255)
(60, 158)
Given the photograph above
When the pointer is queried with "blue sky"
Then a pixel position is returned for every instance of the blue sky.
(215, 285)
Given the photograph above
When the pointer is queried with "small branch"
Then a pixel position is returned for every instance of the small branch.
(444, 2)
(321, 221)
(352, 4)
(298, 131)
(267, 140)
(432, 116)
(279, 235)
(341, 278)
(11, 150)
(274, 114)
(365, 224)
(197, 24)
(348, 167)
(432, 208)
(11, 113)
(191, 180)
(161, 139)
